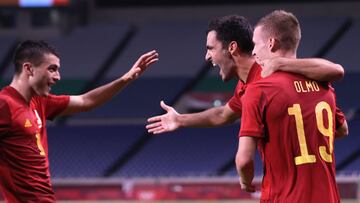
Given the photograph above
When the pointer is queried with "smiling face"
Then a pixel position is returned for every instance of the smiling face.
(45, 75)
(220, 56)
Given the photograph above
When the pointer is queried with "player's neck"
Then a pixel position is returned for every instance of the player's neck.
(22, 87)
(243, 67)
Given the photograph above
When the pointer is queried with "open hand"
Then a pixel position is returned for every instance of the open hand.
(163, 123)
(143, 63)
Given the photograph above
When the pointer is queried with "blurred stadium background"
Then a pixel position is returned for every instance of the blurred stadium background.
(106, 155)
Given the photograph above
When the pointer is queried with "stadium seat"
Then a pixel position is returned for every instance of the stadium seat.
(87, 151)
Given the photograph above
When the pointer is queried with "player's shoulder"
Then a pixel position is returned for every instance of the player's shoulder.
(279, 77)
(273, 78)
(5, 97)
(40, 100)
(283, 74)
(43, 98)
(275, 82)
(255, 88)
(9, 95)
(9, 102)
(5, 112)
(5, 101)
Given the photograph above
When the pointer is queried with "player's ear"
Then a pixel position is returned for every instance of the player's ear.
(273, 44)
(232, 47)
(27, 68)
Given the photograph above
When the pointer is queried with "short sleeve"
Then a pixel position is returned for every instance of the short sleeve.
(339, 118)
(339, 115)
(253, 103)
(55, 104)
(235, 101)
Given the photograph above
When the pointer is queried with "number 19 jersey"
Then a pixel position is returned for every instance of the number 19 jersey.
(294, 117)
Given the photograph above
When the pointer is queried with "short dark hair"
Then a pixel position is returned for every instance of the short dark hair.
(31, 51)
(284, 26)
(233, 28)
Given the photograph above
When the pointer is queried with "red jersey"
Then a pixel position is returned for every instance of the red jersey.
(253, 76)
(235, 100)
(294, 118)
(24, 165)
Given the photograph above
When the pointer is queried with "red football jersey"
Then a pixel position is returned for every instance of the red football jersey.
(294, 118)
(235, 100)
(24, 165)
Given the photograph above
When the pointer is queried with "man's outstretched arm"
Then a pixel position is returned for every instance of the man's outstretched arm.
(172, 120)
(102, 94)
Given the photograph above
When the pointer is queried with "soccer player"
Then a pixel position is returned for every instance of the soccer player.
(229, 46)
(292, 119)
(26, 104)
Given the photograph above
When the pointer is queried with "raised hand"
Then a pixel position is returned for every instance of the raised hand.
(163, 123)
(142, 64)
